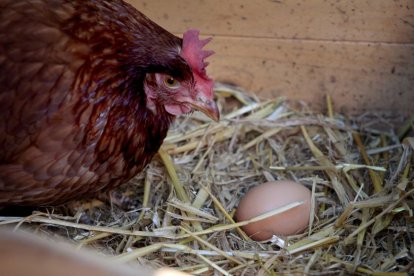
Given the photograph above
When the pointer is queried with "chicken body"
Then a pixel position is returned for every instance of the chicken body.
(76, 118)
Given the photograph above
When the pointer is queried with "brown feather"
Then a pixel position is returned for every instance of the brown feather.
(74, 116)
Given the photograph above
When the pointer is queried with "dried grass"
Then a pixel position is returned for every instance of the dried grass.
(178, 212)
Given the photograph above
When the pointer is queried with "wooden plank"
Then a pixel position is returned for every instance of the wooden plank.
(351, 20)
(359, 76)
(360, 52)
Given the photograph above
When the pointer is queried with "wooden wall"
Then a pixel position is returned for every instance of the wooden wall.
(359, 51)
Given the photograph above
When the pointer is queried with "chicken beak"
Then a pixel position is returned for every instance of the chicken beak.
(208, 107)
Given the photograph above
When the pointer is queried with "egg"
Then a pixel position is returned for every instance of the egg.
(270, 196)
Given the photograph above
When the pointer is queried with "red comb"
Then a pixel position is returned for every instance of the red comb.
(193, 53)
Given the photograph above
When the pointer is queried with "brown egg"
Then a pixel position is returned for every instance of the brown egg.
(270, 196)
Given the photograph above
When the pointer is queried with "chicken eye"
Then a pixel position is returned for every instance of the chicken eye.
(170, 82)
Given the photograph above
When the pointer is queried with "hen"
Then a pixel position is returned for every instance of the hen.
(88, 90)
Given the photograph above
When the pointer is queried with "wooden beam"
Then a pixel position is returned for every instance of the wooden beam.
(359, 76)
(351, 20)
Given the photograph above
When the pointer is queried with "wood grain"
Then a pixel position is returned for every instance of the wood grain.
(360, 52)
(359, 77)
(351, 20)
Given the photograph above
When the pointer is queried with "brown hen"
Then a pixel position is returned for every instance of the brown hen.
(88, 90)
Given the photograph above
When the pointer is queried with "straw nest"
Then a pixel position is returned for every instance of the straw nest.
(178, 212)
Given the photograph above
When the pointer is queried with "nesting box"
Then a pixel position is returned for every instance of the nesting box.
(179, 211)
